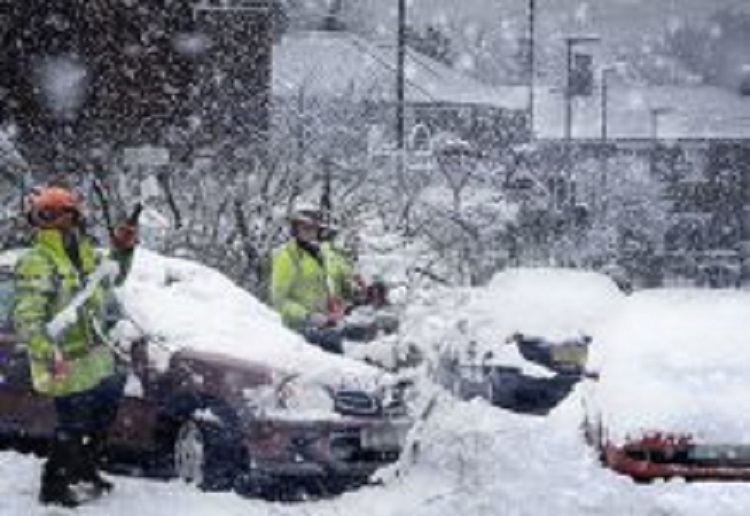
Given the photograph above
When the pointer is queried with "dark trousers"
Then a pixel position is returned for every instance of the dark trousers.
(329, 339)
(83, 420)
(91, 411)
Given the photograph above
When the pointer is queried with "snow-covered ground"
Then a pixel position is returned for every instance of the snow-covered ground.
(469, 459)
(473, 460)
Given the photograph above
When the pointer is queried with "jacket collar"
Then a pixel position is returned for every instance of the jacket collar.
(51, 240)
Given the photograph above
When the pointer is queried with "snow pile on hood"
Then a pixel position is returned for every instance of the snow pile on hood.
(192, 306)
(555, 304)
(677, 361)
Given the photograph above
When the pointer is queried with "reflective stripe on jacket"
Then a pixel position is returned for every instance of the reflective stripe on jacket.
(45, 282)
(301, 285)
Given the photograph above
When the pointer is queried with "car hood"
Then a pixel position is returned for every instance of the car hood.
(677, 362)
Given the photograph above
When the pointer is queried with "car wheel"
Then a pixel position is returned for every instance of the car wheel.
(204, 456)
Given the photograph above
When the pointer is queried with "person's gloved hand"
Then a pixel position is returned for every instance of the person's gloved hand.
(60, 368)
(125, 237)
(336, 309)
(359, 290)
(317, 320)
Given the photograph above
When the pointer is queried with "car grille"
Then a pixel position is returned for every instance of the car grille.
(356, 403)
(347, 447)
(720, 455)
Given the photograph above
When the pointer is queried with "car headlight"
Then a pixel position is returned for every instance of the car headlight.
(300, 396)
(394, 398)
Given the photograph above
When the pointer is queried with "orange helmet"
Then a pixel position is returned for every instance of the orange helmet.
(48, 205)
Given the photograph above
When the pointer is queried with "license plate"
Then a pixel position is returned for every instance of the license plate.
(384, 438)
(723, 453)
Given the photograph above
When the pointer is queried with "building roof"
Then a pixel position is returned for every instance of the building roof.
(693, 112)
(335, 64)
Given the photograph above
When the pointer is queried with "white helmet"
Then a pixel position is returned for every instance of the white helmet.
(308, 213)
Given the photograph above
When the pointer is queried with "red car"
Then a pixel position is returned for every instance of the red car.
(218, 421)
(671, 394)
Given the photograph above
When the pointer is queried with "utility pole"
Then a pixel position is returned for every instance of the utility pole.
(605, 74)
(532, 64)
(400, 91)
(326, 203)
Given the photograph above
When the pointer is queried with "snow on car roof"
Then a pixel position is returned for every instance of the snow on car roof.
(556, 304)
(553, 303)
(677, 361)
(193, 306)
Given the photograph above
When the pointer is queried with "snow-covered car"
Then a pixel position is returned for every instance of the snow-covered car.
(219, 393)
(671, 395)
(522, 341)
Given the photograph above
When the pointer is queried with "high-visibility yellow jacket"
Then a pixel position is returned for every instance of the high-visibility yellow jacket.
(302, 285)
(45, 283)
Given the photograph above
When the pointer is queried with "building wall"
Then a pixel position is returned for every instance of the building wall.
(139, 74)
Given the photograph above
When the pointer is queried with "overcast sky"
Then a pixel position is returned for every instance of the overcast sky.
(484, 30)
(626, 17)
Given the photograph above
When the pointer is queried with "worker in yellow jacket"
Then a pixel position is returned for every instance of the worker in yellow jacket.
(76, 369)
(311, 283)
